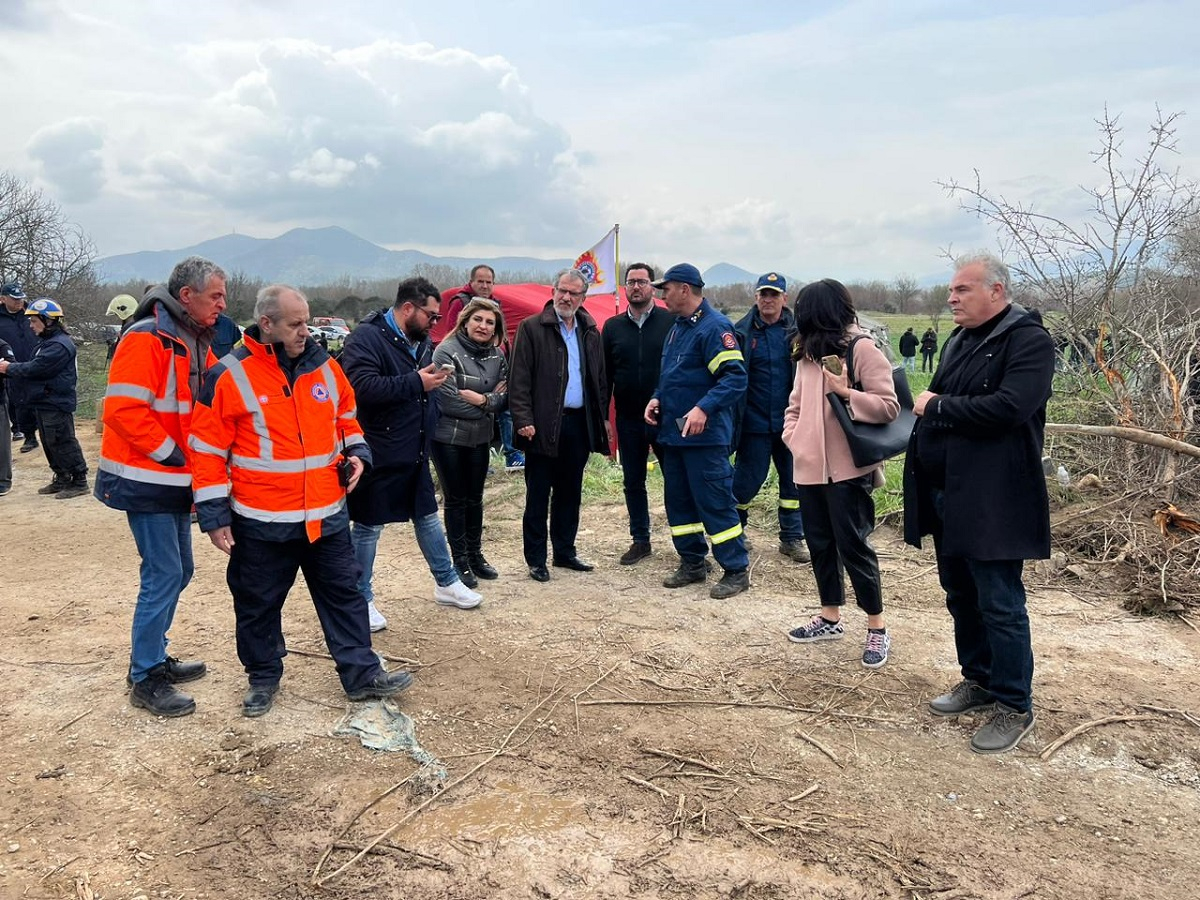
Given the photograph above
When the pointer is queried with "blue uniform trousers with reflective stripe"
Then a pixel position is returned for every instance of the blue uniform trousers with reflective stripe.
(754, 456)
(698, 489)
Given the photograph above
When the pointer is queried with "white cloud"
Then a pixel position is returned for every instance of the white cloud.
(69, 157)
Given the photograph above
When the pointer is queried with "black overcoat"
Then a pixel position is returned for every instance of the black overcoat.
(991, 406)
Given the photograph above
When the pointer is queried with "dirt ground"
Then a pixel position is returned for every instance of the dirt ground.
(601, 737)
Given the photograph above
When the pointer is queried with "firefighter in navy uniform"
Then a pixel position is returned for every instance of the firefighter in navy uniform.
(703, 380)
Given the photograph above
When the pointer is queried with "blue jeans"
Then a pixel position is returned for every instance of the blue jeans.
(910, 364)
(164, 542)
(986, 599)
(430, 538)
(504, 417)
(634, 440)
(755, 454)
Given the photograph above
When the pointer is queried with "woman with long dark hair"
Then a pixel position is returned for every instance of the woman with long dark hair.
(835, 494)
(469, 400)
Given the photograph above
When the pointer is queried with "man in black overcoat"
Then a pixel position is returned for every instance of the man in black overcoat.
(973, 479)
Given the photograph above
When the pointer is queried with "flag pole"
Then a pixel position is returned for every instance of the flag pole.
(617, 259)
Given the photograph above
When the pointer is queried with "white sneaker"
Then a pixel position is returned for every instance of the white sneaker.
(378, 622)
(457, 594)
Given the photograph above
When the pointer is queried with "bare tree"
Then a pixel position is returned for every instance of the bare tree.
(1125, 321)
(933, 303)
(39, 246)
(904, 290)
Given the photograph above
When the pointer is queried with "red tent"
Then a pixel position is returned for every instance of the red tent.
(517, 302)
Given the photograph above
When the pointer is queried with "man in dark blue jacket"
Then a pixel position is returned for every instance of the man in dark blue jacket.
(14, 328)
(48, 382)
(703, 380)
(765, 335)
(5, 445)
(388, 359)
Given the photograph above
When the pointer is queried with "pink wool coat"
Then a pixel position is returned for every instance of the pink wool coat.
(820, 453)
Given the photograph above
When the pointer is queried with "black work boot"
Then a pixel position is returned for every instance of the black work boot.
(730, 584)
(156, 693)
(687, 573)
(56, 484)
(77, 486)
(481, 566)
(177, 671)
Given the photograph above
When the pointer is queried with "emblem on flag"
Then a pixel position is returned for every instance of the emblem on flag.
(599, 264)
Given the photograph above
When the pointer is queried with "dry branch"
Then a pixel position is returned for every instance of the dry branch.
(666, 754)
(646, 784)
(1088, 726)
(1128, 433)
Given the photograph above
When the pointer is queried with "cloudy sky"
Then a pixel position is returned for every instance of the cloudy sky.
(802, 136)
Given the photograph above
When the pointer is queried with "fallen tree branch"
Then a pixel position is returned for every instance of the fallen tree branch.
(1088, 726)
(1127, 433)
(735, 704)
(646, 784)
(819, 746)
(666, 754)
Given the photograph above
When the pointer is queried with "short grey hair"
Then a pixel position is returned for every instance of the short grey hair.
(571, 273)
(193, 272)
(266, 303)
(994, 269)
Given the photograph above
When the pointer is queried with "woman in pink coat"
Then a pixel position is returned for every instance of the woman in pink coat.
(835, 495)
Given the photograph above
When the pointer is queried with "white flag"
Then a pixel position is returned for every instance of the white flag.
(600, 265)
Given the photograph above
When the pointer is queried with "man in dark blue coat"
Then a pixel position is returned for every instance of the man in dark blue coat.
(765, 334)
(388, 360)
(48, 383)
(973, 479)
(15, 329)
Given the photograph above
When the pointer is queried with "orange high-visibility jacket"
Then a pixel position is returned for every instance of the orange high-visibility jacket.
(144, 465)
(267, 449)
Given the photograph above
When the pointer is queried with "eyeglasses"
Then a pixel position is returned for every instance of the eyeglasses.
(434, 318)
(576, 295)
(637, 282)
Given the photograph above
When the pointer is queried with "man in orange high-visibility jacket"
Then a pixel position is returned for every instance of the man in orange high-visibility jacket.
(144, 466)
(276, 448)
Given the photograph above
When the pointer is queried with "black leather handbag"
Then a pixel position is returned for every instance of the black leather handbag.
(872, 443)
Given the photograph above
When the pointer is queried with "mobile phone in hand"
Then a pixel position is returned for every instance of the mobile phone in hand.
(448, 368)
(832, 364)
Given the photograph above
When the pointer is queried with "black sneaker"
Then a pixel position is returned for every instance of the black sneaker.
(465, 575)
(1004, 730)
(964, 697)
(385, 684)
(259, 699)
(156, 694)
(30, 444)
(637, 551)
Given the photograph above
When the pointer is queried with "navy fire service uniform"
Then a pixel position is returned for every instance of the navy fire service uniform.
(771, 373)
(702, 365)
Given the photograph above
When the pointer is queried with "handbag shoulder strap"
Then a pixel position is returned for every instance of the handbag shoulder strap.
(855, 382)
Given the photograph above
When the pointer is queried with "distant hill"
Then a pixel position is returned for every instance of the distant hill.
(726, 273)
(304, 256)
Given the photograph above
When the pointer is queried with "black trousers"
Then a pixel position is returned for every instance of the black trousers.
(838, 521)
(462, 472)
(554, 484)
(63, 452)
(261, 573)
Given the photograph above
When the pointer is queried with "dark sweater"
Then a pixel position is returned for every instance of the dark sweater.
(633, 358)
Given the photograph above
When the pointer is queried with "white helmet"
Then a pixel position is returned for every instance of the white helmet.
(122, 306)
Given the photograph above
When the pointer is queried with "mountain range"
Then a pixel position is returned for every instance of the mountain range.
(313, 256)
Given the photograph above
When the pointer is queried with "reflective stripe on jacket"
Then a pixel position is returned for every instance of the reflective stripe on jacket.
(266, 447)
(144, 465)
